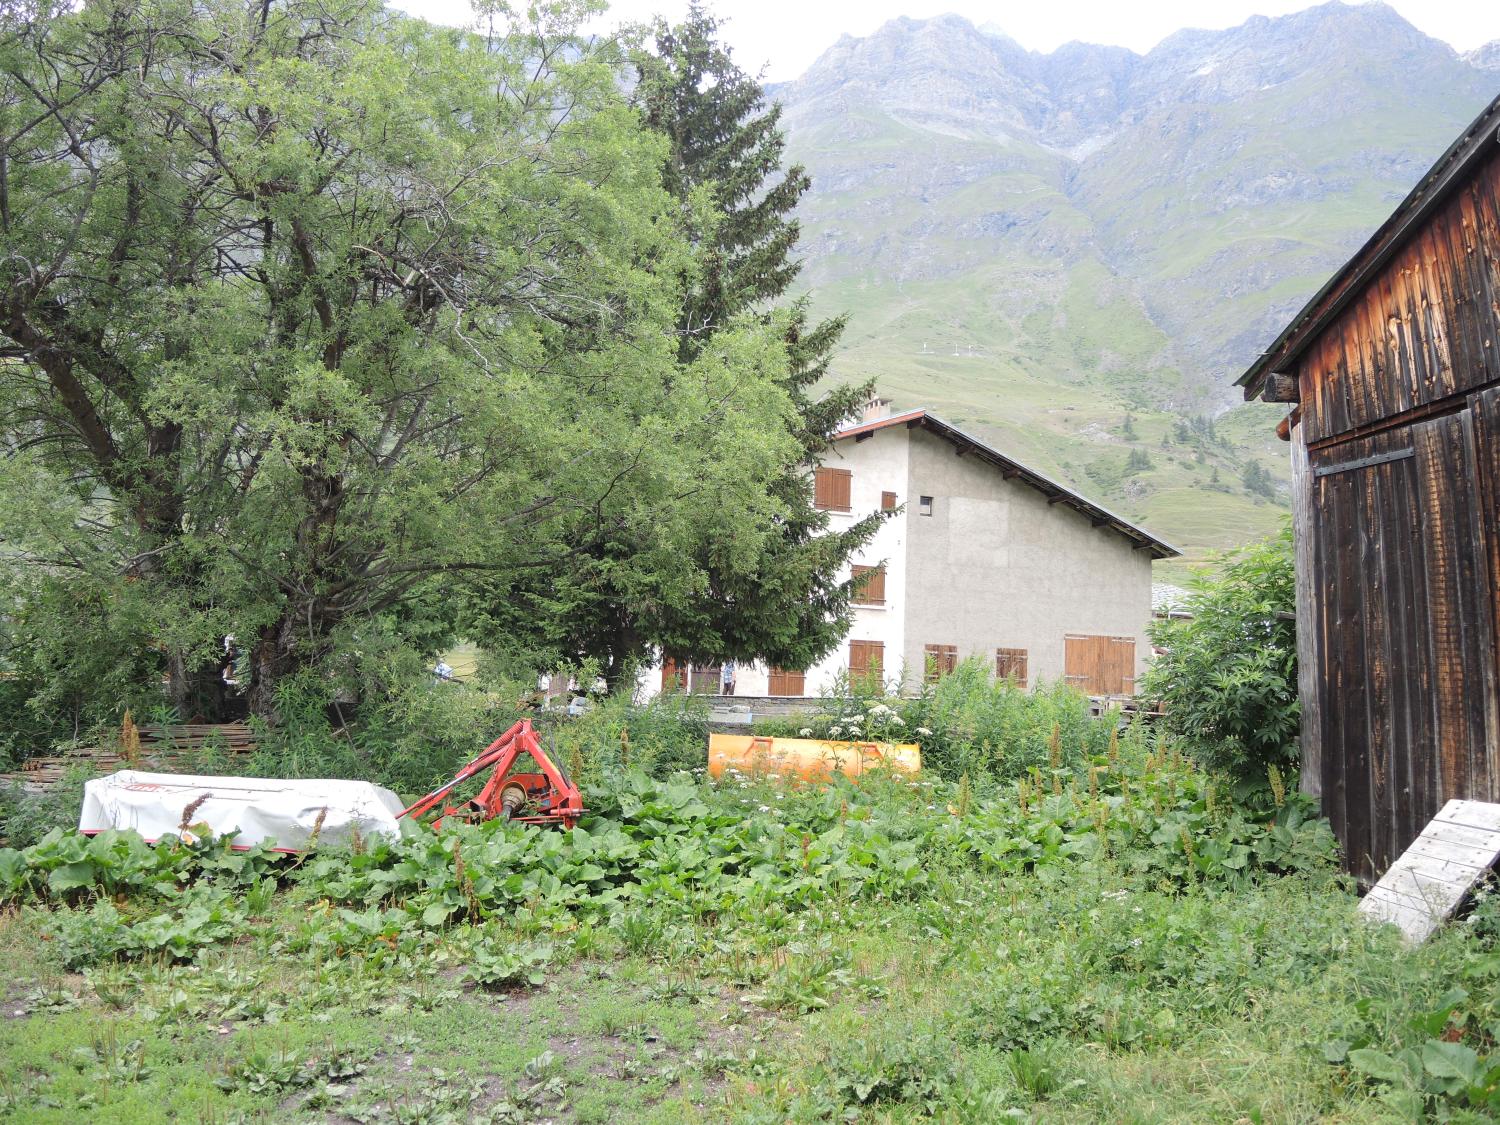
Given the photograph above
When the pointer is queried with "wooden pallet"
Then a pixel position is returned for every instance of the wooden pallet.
(165, 748)
(1426, 886)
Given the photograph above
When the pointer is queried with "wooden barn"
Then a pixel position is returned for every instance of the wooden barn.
(1393, 370)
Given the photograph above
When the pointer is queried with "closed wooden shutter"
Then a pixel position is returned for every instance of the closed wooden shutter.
(866, 660)
(706, 679)
(939, 660)
(674, 677)
(784, 682)
(1099, 665)
(1010, 664)
(831, 489)
(869, 585)
(887, 501)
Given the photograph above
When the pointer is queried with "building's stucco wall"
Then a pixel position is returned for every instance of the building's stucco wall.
(877, 464)
(994, 566)
(1000, 567)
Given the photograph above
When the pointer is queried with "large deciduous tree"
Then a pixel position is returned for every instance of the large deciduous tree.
(316, 315)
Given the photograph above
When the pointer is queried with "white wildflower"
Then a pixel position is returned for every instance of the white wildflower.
(923, 731)
(805, 732)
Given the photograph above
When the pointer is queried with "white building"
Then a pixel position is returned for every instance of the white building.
(983, 557)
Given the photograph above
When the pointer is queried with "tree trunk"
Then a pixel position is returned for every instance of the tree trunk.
(197, 692)
(273, 656)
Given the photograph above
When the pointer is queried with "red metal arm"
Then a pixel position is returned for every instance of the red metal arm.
(548, 797)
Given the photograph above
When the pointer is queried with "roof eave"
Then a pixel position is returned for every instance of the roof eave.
(1057, 493)
(1434, 188)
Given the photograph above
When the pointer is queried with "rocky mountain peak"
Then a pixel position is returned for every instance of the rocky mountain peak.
(1486, 57)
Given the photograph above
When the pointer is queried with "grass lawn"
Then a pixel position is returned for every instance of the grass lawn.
(1117, 944)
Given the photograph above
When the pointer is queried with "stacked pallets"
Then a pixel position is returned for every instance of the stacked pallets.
(171, 748)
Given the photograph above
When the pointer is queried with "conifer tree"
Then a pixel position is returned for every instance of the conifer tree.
(726, 141)
(768, 593)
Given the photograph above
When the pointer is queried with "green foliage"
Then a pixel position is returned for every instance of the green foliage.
(252, 402)
(1257, 479)
(1448, 1066)
(25, 818)
(699, 849)
(1227, 677)
(967, 722)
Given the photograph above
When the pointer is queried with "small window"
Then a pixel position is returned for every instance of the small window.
(1010, 664)
(887, 501)
(868, 585)
(831, 489)
(924, 505)
(938, 661)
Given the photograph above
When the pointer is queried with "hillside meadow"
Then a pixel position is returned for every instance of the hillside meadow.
(1057, 921)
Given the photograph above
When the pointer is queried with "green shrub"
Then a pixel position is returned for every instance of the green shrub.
(1227, 678)
(968, 724)
(25, 818)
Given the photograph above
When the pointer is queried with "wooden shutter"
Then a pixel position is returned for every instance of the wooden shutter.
(1010, 664)
(1099, 665)
(831, 489)
(784, 682)
(674, 676)
(887, 501)
(938, 661)
(866, 660)
(869, 585)
(705, 679)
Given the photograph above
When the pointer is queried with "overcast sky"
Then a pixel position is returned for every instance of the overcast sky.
(787, 35)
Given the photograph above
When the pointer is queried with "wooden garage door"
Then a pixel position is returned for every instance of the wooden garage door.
(1098, 665)
(1405, 540)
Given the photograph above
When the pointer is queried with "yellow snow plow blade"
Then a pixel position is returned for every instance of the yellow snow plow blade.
(809, 758)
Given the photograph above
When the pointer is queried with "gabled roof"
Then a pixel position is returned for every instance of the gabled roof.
(1010, 468)
(1478, 142)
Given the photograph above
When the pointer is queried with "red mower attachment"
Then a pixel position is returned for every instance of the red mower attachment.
(548, 797)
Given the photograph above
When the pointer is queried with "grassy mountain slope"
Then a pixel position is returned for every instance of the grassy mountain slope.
(1038, 246)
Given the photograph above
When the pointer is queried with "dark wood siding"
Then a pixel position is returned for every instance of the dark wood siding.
(1396, 479)
(1402, 530)
(1423, 331)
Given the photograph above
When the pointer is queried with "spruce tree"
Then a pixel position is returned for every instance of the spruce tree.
(727, 141)
(780, 601)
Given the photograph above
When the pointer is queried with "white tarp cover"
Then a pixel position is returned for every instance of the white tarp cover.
(283, 813)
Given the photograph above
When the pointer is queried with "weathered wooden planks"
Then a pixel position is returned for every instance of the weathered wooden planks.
(166, 748)
(1423, 330)
(1432, 878)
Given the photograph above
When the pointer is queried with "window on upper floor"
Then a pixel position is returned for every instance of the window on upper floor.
(831, 489)
(868, 585)
(924, 505)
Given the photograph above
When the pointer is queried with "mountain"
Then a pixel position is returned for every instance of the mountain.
(1078, 251)
(1486, 57)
